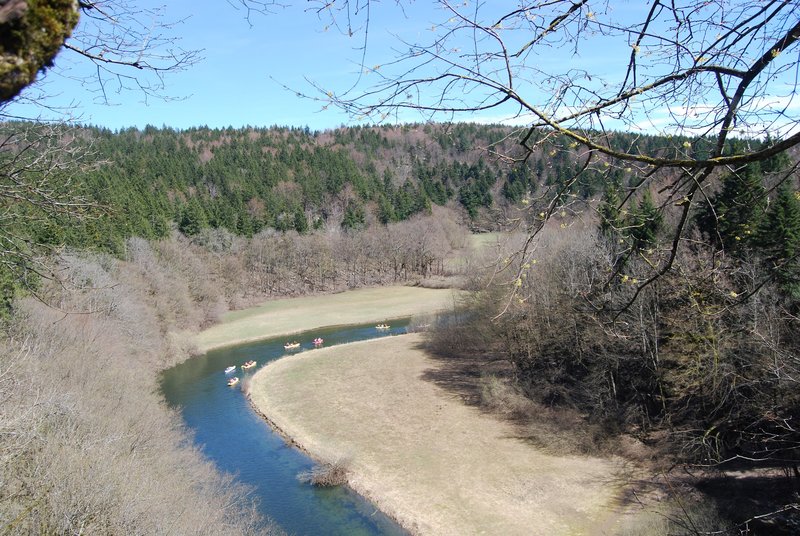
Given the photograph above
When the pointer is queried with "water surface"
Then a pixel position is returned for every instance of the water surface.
(229, 433)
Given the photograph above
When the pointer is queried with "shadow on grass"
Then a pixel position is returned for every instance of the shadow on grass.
(463, 376)
(726, 500)
(764, 501)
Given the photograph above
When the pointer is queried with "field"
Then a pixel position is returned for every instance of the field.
(483, 240)
(424, 457)
(287, 316)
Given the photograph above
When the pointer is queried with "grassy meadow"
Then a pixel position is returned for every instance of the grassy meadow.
(424, 457)
(291, 315)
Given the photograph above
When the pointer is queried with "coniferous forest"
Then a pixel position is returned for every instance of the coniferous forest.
(147, 182)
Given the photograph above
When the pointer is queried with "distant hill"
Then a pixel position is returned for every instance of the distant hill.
(149, 181)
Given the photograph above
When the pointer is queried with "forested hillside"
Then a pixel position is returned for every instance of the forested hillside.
(144, 183)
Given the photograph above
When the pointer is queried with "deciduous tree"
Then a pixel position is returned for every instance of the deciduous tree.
(698, 71)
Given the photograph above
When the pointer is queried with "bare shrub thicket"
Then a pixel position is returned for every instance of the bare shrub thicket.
(527, 363)
(703, 366)
(327, 473)
(86, 443)
(280, 264)
(688, 356)
(88, 446)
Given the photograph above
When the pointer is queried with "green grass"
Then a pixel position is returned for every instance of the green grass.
(481, 240)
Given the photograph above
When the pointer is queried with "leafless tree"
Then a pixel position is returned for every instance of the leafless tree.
(130, 47)
(717, 80)
(38, 166)
(574, 71)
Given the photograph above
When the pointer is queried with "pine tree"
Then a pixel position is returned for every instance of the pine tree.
(779, 237)
(300, 221)
(644, 223)
(775, 163)
(354, 217)
(385, 210)
(193, 218)
(610, 219)
(735, 213)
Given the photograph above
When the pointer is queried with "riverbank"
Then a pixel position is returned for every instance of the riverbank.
(292, 315)
(421, 455)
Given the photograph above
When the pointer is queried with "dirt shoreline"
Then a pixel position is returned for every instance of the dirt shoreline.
(422, 457)
(290, 441)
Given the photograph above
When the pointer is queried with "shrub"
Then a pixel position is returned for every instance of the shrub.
(327, 474)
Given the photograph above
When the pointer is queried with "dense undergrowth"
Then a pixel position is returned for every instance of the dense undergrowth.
(700, 376)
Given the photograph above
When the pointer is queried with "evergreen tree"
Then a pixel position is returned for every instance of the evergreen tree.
(193, 218)
(300, 221)
(610, 219)
(644, 223)
(8, 289)
(734, 215)
(354, 217)
(519, 182)
(775, 163)
(385, 211)
(244, 224)
(779, 236)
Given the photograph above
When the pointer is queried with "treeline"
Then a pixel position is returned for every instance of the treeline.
(87, 444)
(272, 264)
(147, 182)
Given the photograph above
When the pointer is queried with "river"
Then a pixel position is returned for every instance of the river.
(233, 437)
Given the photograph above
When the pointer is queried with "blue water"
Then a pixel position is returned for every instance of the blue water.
(239, 442)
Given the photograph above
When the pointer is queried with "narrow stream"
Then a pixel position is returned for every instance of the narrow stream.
(239, 442)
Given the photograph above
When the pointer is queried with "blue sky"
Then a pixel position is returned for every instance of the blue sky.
(245, 65)
(238, 81)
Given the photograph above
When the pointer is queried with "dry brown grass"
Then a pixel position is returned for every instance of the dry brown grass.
(280, 317)
(433, 463)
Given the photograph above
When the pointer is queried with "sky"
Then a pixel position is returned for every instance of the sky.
(251, 69)
(250, 72)
(241, 78)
